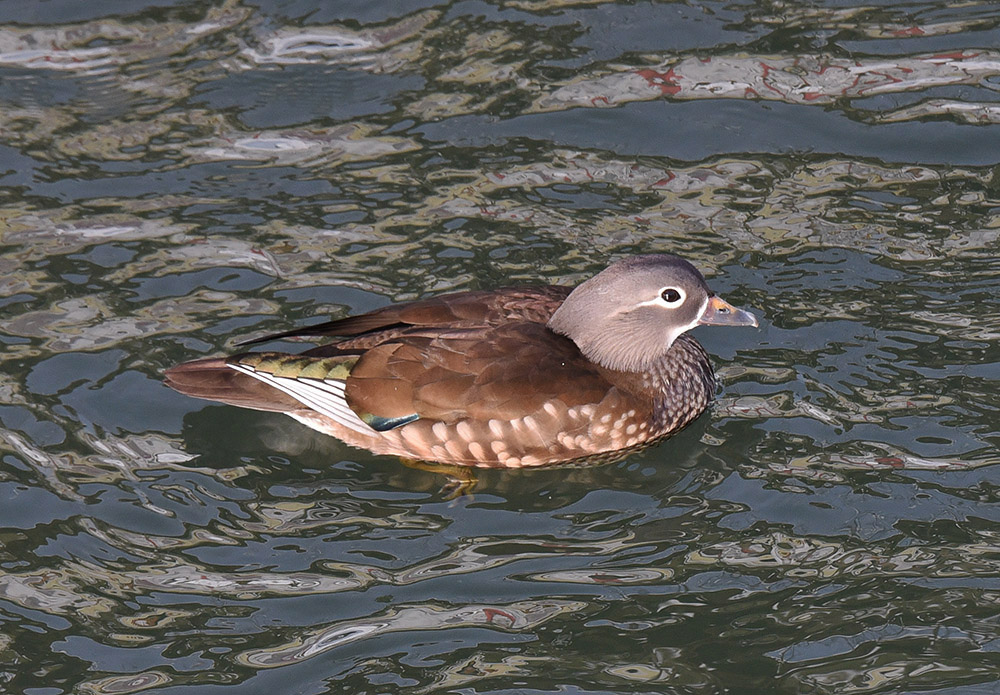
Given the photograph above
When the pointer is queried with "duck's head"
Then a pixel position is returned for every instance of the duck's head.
(627, 316)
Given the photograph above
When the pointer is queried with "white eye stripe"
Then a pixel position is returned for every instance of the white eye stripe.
(660, 301)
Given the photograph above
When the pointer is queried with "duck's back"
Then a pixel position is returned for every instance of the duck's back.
(459, 310)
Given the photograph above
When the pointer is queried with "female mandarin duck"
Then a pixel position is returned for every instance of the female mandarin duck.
(513, 377)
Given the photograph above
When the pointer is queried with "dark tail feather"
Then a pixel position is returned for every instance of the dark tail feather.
(352, 325)
(213, 380)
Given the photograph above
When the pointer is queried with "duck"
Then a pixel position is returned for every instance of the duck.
(516, 377)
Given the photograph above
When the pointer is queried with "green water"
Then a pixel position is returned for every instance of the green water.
(184, 176)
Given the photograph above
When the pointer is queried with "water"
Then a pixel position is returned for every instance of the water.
(181, 177)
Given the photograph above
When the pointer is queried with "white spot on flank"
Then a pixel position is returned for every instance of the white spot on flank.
(464, 431)
(606, 418)
(476, 449)
(499, 448)
(631, 429)
(550, 408)
(496, 428)
(440, 431)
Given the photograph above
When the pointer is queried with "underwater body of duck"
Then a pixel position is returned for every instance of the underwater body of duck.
(514, 377)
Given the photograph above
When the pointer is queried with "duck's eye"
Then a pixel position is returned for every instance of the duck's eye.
(671, 296)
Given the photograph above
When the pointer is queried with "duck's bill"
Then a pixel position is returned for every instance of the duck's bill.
(722, 313)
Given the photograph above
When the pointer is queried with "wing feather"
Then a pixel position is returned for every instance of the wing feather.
(321, 395)
(457, 310)
(505, 372)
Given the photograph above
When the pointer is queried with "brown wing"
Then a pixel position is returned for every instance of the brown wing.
(458, 310)
(504, 372)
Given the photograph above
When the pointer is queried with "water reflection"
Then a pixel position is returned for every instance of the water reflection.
(513, 617)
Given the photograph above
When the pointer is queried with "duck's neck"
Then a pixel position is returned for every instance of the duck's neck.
(678, 385)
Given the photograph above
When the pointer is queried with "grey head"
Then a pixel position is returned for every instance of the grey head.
(627, 316)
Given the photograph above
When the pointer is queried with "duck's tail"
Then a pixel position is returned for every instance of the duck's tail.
(214, 380)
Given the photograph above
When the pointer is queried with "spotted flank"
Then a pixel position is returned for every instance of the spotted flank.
(317, 383)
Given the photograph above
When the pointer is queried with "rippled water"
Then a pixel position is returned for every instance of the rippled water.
(183, 177)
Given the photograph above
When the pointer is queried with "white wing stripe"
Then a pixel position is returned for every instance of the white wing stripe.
(306, 393)
(325, 397)
(334, 387)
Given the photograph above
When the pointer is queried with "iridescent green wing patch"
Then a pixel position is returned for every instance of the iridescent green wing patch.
(384, 424)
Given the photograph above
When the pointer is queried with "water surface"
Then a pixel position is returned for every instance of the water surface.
(184, 176)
